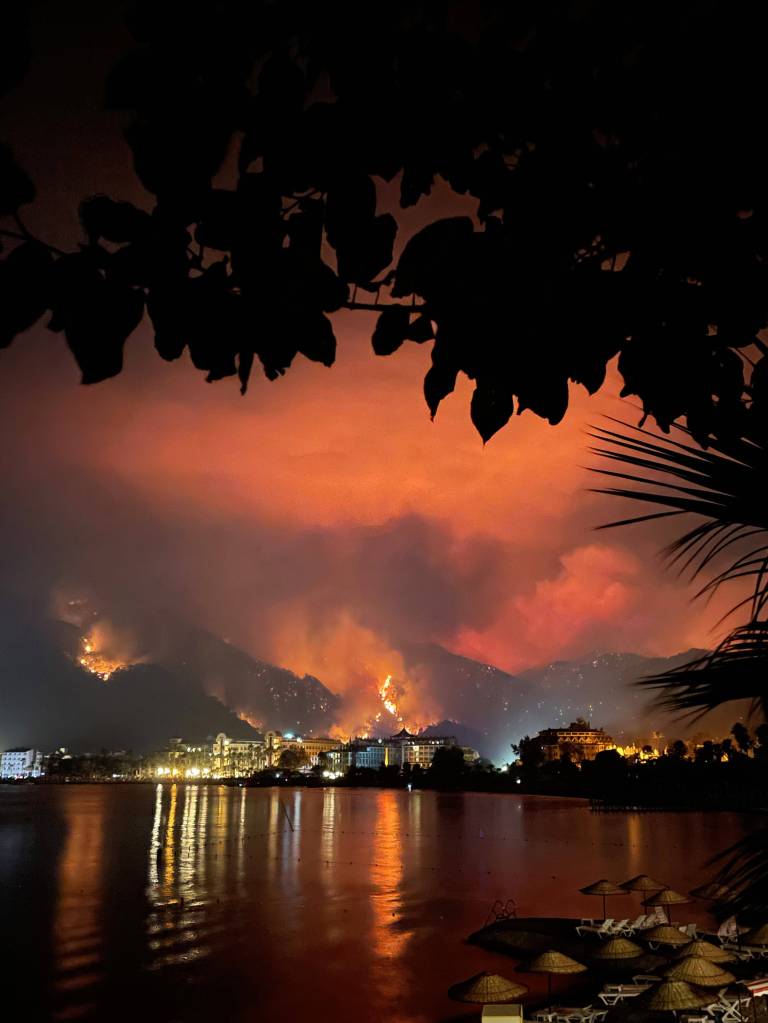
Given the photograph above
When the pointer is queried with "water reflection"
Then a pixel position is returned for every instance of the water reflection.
(389, 937)
(155, 900)
(77, 925)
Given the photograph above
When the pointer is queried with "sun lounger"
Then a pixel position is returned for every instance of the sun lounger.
(613, 993)
(636, 925)
(730, 1007)
(599, 929)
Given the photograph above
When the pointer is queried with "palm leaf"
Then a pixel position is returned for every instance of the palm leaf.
(722, 487)
(737, 669)
(744, 871)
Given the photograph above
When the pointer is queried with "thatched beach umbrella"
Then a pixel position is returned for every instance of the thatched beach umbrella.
(551, 962)
(712, 892)
(487, 989)
(700, 971)
(757, 936)
(617, 948)
(706, 950)
(642, 883)
(666, 898)
(603, 888)
(672, 996)
(664, 934)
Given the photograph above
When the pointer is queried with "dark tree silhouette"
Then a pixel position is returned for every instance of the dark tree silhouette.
(743, 739)
(292, 759)
(611, 149)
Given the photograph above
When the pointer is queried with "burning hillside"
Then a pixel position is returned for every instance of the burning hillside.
(97, 663)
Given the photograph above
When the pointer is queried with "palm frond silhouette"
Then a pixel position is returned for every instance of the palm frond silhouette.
(723, 488)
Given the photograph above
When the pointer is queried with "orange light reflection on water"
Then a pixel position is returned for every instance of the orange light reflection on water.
(389, 938)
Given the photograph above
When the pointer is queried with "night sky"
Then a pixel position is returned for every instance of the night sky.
(321, 520)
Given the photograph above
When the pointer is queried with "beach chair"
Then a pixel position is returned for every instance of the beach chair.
(689, 929)
(728, 930)
(543, 1015)
(643, 921)
(565, 1015)
(742, 952)
(730, 1007)
(635, 924)
(620, 927)
(599, 929)
(645, 978)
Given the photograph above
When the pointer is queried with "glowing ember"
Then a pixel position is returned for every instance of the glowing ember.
(97, 663)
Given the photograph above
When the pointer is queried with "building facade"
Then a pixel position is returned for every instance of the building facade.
(237, 758)
(19, 763)
(402, 750)
(579, 741)
(313, 746)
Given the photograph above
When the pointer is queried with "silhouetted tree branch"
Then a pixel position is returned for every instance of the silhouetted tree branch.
(611, 152)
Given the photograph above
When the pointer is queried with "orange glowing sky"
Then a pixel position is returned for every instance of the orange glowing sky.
(323, 516)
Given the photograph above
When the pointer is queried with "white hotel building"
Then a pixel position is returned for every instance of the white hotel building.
(20, 763)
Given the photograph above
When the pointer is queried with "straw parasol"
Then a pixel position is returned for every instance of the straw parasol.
(666, 935)
(712, 892)
(486, 989)
(617, 948)
(672, 996)
(642, 883)
(666, 897)
(757, 936)
(706, 950)
(550, 962)
(603, 888)
(700, 971)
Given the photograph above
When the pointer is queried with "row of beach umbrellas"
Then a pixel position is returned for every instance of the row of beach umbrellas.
(700, 965)
(697, 964)
(657, 894)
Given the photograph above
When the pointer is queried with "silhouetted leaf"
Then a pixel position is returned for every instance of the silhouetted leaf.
(491, 407)
(426, 265)
(25, 289)
(102, 217)
(546, 395)
(364, 252)
(391, 330)
(351, 204)
(96, 315)
(222, 220)
(16, 187)
(282, 84)
(316, 339)
(439, 382)
(167, 311)
(244, 366)
(420, 330)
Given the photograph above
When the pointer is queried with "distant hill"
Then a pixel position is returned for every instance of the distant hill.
(478, 696)
(500, 708)
(599, 687)
(49, 700)
(196, 684)
(267, 695)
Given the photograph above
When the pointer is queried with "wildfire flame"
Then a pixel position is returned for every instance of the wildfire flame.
(97, 663)
(386, 695)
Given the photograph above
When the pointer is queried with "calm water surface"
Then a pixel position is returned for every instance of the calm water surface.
(187, 903)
